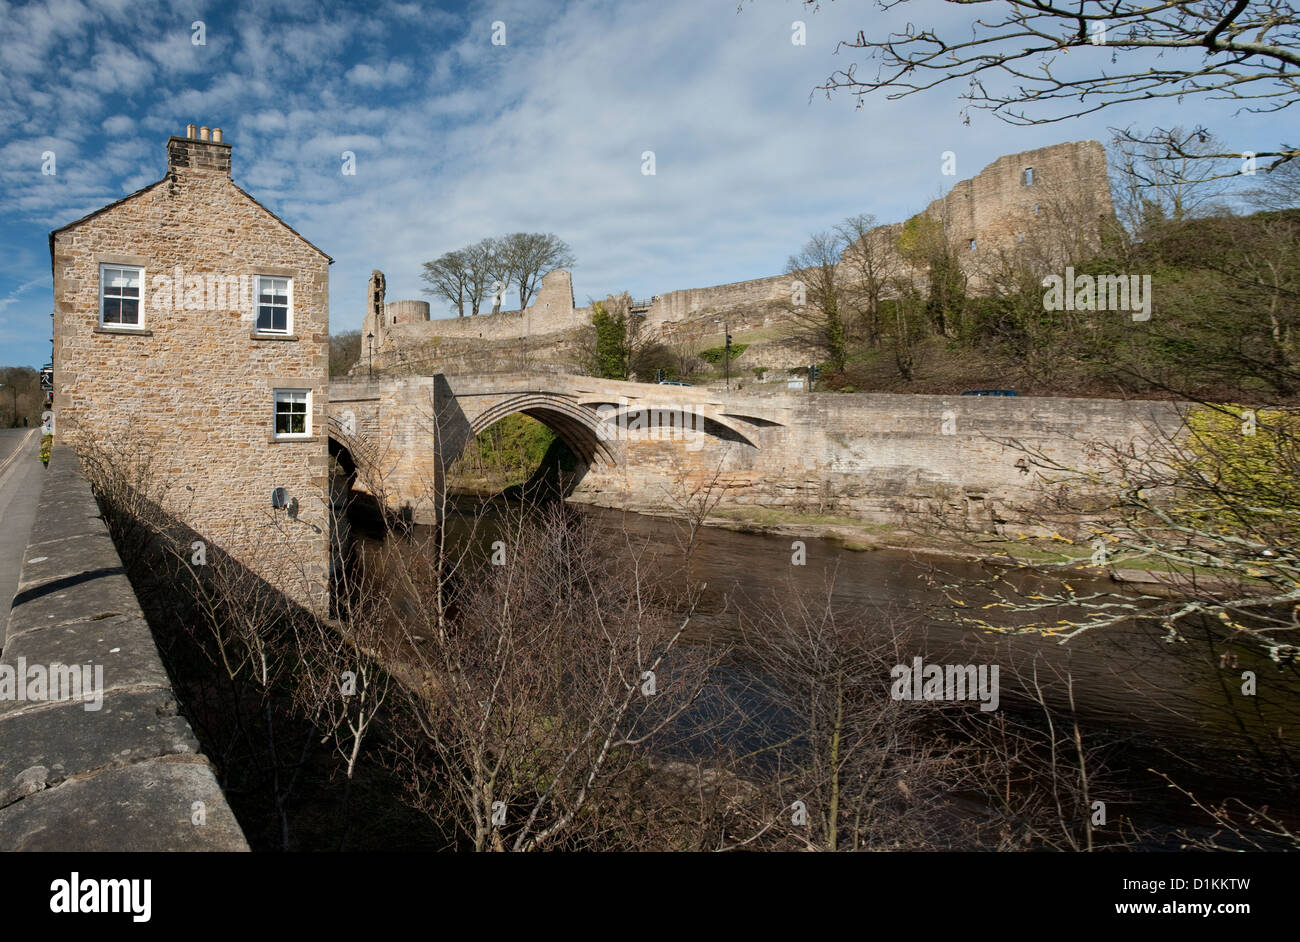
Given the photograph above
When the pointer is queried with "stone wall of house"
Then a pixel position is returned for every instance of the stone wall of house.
(195, 382)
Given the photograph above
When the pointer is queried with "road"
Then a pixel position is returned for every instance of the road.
(21, 477)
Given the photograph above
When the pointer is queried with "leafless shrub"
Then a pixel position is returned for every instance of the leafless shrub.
(548, 681)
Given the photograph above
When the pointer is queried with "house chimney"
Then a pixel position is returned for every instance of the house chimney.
(207, 152)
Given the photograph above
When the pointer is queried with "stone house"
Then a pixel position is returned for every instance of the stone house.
(191, 319)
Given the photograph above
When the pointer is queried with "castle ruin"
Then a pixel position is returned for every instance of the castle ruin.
(1052, 200)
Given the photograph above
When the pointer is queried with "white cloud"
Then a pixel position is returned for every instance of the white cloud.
(16, 292)
(118, 125)
(457, 139)
(369, 76)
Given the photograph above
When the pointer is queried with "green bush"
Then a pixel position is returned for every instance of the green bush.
(714, 355)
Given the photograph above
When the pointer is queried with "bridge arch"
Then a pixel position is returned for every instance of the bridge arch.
(580, 428)
(354, 452)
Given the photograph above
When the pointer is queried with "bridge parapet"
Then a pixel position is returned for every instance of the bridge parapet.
(119, 769)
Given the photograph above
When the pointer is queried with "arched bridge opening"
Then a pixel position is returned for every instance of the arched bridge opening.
(542, 465)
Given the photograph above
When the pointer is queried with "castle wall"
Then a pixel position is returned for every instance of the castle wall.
(997, 207)
(1059, 214)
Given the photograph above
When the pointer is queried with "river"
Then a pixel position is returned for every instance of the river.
(1175, 707)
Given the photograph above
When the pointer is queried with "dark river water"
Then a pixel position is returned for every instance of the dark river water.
(1175, 707)
(1127, 676)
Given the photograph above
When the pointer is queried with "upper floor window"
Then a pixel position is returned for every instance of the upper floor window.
(292, 413)
(119, 295)
(274, 304)
(1028, 177)
(972, 245)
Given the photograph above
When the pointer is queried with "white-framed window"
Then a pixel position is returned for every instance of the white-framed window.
(274, 304)
(292, 413)
(121, 301)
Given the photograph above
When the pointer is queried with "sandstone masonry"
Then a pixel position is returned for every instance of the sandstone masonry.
(157, 341)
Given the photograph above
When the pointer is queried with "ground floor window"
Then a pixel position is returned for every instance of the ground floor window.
(292, 413)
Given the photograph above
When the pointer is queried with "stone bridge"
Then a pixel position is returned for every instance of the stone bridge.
(400, 434)
(649, 447)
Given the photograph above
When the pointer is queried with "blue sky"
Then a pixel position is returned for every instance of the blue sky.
(457, 139)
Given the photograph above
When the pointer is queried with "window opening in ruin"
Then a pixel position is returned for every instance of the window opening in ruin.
(1035, 209)
(274, 302)
(292, 413)
(972, 245)
(1029, 176)
(119, 295)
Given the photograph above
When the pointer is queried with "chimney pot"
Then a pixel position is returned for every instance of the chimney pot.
(203, 133)
(216, 135)
(189, 131)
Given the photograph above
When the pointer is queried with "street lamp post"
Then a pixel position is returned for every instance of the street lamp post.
(371, 338)
(726, 352)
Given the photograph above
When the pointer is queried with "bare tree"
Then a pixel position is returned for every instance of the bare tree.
(530, 255)
(470, 275)
(480, 262)
(869, 261)
(549, 680)
(816, 320)
(848, 767)
(1161, 177)
(449, 278)
(1244, 51)
(1278, 188)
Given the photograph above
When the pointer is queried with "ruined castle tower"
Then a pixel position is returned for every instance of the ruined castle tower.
(1055, 200)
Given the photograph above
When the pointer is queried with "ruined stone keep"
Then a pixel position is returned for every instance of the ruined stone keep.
(190, 319)
(1050, 205)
